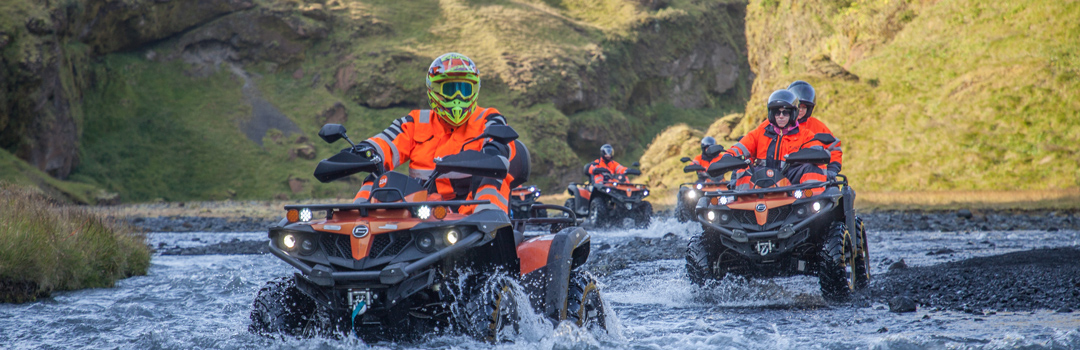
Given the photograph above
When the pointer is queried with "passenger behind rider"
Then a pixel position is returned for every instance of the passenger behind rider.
(704, 159)
(769, 146)
(614, 171)
(453, 84)
(806, 95)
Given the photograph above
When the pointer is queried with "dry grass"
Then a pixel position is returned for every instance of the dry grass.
(951, 200)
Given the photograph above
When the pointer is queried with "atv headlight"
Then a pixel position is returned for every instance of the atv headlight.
(423, 212)
(288, 241)
(451, 237)
(307, 246)
(699, 186)
(426, 243)
(646, 193)
(711, 215)
(608, 189)
(797, 194)
(816, 206)
(691, 194)
(305, 214)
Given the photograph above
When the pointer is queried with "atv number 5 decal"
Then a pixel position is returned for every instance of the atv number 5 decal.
(360, 231)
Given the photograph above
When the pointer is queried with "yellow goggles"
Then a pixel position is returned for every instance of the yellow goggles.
(451, 89)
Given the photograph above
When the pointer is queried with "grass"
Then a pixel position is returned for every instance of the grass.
(956, 95)
(47, 247)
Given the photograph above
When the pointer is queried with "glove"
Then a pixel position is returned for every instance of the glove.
(364, 149)
(830, 174)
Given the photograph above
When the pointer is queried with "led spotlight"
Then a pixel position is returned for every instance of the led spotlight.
(305, 214)
(423, 212)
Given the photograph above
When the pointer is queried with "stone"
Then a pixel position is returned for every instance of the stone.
(899, 265)
(964, 213)
(902, 304)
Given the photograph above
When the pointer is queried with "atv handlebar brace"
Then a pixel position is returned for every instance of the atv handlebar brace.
(790, 188)
(391, 274)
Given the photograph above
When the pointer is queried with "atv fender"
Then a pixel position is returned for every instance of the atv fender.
(849, 214)
(581, 198)
(546, 262)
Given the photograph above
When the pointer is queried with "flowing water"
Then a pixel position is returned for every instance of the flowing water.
(188, 302)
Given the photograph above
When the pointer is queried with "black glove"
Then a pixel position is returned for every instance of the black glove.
(364, 149)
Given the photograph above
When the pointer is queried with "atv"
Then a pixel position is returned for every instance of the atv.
(775, 228)
(522, 199)
(611, 201)
(404, 264)
(690, 192)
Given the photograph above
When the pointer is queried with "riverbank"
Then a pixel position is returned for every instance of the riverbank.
(47, 246)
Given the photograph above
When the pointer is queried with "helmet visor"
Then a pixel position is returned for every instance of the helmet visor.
(455, 89)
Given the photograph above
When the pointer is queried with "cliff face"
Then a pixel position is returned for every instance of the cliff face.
(142, 97)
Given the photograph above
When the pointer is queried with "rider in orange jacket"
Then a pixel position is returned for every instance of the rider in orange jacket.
(806, 95)
(451, 125)
(614, 169)
(704, 159)
(771, 145)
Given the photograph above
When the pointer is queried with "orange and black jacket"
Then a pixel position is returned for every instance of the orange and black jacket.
(613, 167)
(421, 136)
(767, 145)
(815, 126)
(700, 160)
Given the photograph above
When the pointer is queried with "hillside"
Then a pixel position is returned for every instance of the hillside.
(187, 99)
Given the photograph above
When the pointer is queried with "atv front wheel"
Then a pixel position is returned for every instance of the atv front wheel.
(280, 308)
(490, 310)
(584, 306)
(643, 215)
(698, 268)
(682, 213)
(837, 273)
(598, 213)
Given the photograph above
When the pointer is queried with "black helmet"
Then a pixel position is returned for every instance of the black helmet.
(706, 142)
(782, 99)
(806, 96)
(607, 152)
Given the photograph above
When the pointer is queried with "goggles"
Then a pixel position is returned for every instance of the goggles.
(452, 89)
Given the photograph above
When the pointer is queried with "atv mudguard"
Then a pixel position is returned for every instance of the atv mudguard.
(546, 262)
(849, 214)
(581, 197)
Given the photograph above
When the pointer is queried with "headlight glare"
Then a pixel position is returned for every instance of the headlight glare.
(711, 215)
(691, 194)
(816, 206)
(452, 237)
(288, 241)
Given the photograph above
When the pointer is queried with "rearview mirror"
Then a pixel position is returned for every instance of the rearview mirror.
(473, 163)
(726, 164)
(685, 159)
(332, 132)
(502, 133)
(692, 168)
(714, 150)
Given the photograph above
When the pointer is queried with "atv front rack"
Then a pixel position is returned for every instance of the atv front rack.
(778, 189)
(364, 207)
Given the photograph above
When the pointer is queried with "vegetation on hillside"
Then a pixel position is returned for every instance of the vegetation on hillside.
(45, 247)
(931, 95)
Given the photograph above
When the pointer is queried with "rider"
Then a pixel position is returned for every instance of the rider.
(806, 95)
(783, 136)
(613, 168)
(704, 159)
(454, 120)
(805, 92)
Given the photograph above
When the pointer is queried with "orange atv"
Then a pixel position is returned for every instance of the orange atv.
(526, 212)
(777, 228)
(404, 264)
(611, 201)
(690, 192)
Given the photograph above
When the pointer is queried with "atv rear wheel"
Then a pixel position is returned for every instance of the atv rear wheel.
(281, 308)
(598, 213)
(698, 268)
(643, 215)
(682, 213)
(584, 306)
(490, 310)
(837, 272)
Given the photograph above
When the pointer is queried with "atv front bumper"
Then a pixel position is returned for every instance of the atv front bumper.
(391, 274)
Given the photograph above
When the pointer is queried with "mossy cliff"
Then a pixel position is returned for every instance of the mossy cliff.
(187, 99)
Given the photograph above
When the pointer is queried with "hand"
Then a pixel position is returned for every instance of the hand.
(830, 174)
(364, 149)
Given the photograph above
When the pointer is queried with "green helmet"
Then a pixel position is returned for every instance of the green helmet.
(453, 84)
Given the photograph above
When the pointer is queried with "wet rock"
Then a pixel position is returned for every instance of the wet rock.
(941, 251)
(898, 265)
(1064, 310)
(964, 213)
(902, 304)
(883, 330)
